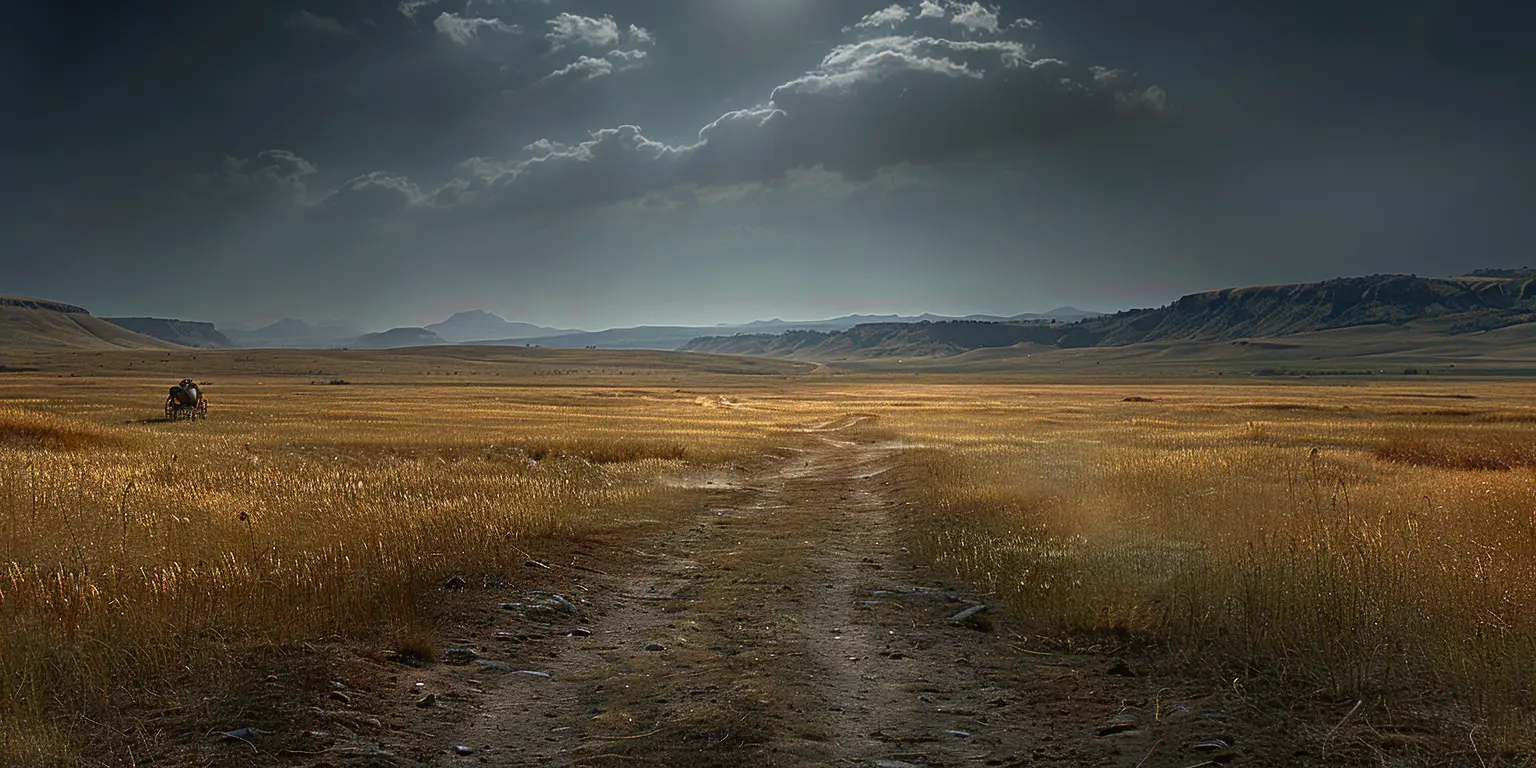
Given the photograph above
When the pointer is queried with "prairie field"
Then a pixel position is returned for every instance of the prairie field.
(1362, 552)
(140, 559)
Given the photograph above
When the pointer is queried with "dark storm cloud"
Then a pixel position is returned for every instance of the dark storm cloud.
(273, 174)
(939, 145)
(310, 22)
(869, 103)
(374, 194)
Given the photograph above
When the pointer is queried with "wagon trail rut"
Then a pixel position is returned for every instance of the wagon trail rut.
(781, 625)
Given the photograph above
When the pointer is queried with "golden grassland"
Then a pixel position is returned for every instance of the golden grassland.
(1323, 546)
(1371, 542)
(141, 560)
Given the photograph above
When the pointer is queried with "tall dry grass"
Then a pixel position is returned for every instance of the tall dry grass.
(1338, 552)
(139, 561)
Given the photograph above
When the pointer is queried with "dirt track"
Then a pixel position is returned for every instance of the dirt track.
(783, 625)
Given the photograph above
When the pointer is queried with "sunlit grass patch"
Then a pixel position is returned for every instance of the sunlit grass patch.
(40, 429)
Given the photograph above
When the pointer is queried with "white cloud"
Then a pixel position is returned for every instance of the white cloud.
(931, 9)
(889, 16)
(590, 68)
(584, 67)
(640, 36)
(975, 17)
(409, 8)
(464, 31)
(569, 29)
(310, 22)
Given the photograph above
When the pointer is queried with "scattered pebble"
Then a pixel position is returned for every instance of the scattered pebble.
(968, 614)
(463, 751)
(459, 656)
(494, 666)
(579, 632)
(655, 647)
(428, 701)
(1125, 721)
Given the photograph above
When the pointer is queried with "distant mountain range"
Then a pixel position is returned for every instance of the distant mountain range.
(1436, 311)
(674, 337)
(292, 333)
(396, 338)
(483, 328)
(478, 325)
(1493, 299)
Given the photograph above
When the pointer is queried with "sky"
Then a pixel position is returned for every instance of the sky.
(597, 163)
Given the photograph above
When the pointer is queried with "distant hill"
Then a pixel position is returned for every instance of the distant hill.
(644, 337)
(479, 325)
(183, 332)
(675, 337)
(41, 324)
(395, 338)
(291, 333)
(1465, 304)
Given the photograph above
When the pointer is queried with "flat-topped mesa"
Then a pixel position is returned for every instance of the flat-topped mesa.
(22, 302)
(28, 323)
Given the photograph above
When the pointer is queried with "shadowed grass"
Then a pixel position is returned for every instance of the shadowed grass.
(1467, 448)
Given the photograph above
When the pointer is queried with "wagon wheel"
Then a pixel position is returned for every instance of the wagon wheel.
(170, 408)
(201, 411)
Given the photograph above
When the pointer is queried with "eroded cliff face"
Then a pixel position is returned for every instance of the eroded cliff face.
(184, 332)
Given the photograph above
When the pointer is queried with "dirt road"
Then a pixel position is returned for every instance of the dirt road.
(783, 625)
